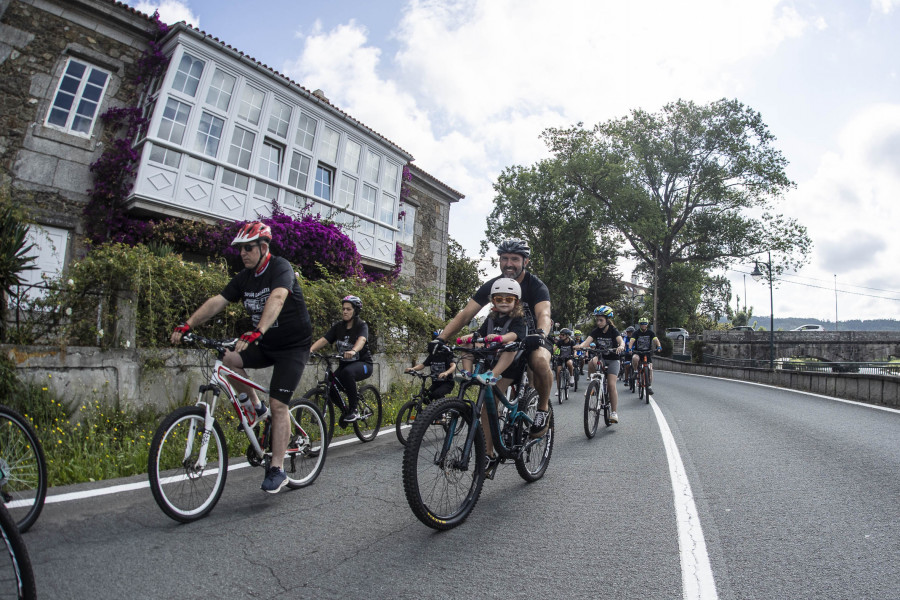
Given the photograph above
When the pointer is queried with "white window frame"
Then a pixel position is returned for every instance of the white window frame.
(191, 79)
(295, 171)
(280, 115)
(269, 163)
(346, 192)
(175, 126)
(204, 135)
(329, 144)
(305, 137)
(78, 99)
(241, 153)
(248, 110)
(218, 89)
(320, 184)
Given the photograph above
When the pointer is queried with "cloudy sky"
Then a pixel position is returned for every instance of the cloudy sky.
(467, 86)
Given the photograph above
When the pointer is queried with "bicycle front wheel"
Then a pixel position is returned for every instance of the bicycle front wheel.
(23, 469)
(186, 485)
(406, 416)
(16, 574)
(317, 397)
(532, 463)
(592, 409)
(307, 447)
(605, 403)
(369, 422)
(441, 488)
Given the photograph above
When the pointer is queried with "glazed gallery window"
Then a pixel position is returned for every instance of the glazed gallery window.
(324, 179)
(174, 120)
(220, 90)
(77, 98)
(241, 147)
(187, 78)
(209, 134)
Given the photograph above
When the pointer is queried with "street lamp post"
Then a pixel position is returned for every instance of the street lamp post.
(757, 275)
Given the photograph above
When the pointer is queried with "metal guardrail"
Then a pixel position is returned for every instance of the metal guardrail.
(787, 364)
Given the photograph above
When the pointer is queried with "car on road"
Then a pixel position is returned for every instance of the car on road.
(677, 333)
(742, 328)
(809, 328)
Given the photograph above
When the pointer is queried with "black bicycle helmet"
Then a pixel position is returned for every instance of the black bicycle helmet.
(519, 247)
(355, 302)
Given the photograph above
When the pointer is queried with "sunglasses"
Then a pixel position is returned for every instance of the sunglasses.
(247, 247)
(507, 299)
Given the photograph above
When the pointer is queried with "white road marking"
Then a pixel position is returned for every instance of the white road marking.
(129, 487)
(696, 573)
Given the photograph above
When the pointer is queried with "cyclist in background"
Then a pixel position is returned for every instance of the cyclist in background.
(626, 358)
(579, 353)
(565, 345)
(442, 364)
(644, 343)
(280, 337)
(350, 337)
(610, 344)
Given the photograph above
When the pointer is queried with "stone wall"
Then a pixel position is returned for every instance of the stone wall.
(424, 271)
(45, 169)
(883, 390)
(158, 377)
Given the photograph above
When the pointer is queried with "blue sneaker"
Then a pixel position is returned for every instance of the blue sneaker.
(462, 376)
(274, 481)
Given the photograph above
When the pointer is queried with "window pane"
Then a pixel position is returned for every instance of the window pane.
(279, 118)
(373, 165)
(347, 192)
(351, 156)
(241, 147)
(408, 225)
(201, 168)
(188, 76)
(264, 190)
(174, 120)
(161, 155)
(386, 215)
(270, 161)
(391, 177)
(209, 134)
(250, 105)
(235, 179)
(298, 175)
(329, 149)
(322, 188)
(306, 132)
(81, 87)
(220, 90)
(367, 199)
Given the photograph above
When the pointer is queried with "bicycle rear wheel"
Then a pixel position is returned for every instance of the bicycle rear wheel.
(559, 387)
(576, 374)
(307, 448)
(316, 396)
(441, 490)
(646, 385)
(532, 463)
(406, 416)
(369, 422)
(23, 469)
(591, 409)
(16, 574)
(604, 403)
(640, 384)
(184, 489)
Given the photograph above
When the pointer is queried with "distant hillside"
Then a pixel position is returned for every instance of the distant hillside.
(786, 324)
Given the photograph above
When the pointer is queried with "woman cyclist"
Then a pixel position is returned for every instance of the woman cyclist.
(350, 336)
(610, 344)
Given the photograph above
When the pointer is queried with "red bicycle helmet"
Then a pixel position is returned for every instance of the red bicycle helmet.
(252, 232)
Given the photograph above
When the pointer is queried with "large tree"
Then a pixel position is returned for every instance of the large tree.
(462, 278)
(691, 188)
(569, 252)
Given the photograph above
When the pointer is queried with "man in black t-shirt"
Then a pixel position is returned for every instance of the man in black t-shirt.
(536, 304)
(644, 343)
(281, 333)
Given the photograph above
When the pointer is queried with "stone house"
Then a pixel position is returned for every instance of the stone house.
(226, 136)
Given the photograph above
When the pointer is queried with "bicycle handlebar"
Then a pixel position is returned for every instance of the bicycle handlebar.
(210, 343)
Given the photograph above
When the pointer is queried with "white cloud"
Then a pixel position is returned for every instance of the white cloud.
(170, 11)
(885, 7)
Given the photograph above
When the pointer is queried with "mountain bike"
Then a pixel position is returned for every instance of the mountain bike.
(643, 377)
(596, 399)
(562, 378)
(16, 574)
(576, 371)
(188, 461)
(23, 469)
(410, 411)
(445, 459)
(329, 392)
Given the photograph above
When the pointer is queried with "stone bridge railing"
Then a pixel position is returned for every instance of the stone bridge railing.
(833, 346)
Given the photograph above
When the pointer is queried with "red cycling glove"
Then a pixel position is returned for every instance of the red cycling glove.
(183, 328)
(251, 336)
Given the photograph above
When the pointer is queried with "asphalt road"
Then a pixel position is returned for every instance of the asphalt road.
(797, 496)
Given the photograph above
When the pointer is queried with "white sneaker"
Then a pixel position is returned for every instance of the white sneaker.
(572, 380)
(614, 417)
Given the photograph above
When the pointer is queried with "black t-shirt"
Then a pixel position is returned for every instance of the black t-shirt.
(606, 340)
(440, 360)
(516, 326)
(565, 348)
(344, 339)
(643, 340)
(533, 292)
(292, 327)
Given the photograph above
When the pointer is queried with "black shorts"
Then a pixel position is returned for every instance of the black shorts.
(288, 363)
(648, 354)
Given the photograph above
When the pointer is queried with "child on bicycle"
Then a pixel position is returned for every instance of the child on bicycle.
(610, 344)
(443, 365)
(504, 324)
(565, 345)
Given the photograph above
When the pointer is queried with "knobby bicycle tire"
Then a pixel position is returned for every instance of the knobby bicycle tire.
(591, 409)
(605, 402)
(367, 427)
(183, 490)
(647, 385)
(23, 467)
(532, 464)
(432, 464)
(16, 573)
(326, 408)
(307, 448)
(406, 416)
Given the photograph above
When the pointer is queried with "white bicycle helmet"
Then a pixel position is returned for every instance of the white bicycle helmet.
(505, 285)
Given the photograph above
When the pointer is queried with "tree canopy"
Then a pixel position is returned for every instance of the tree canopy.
(462, 278)
(691, 188)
